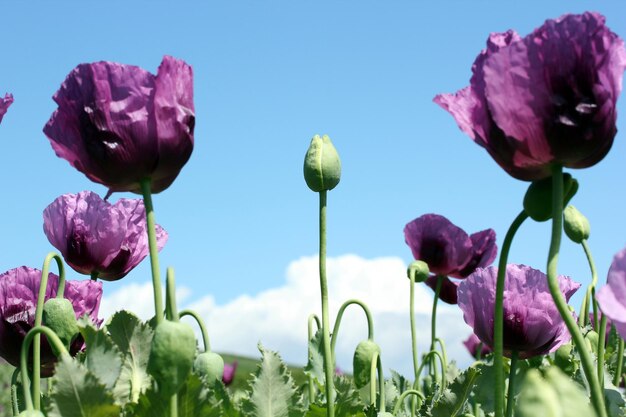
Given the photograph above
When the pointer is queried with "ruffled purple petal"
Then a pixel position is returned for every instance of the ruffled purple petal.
(612, 297)
(4, 104)
(475, 347)
(484, 251)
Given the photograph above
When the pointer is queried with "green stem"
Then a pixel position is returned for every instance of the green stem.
(400, 400)
(43, 285)
(429, 357)
(14, 403)
(589, 294)
(154, 250)
(620, 363)
(203, 330)
(413, 340)
(170, 282)
(442, 346)
(342, 309)
(510, 400)
(597, 398)
(601, 341)
(377, 365)
(373, 386)
(328, 356)
(433, 324)
(94, 275)
(312, 318)
(174, 406)
(498, 320)
(52, 339)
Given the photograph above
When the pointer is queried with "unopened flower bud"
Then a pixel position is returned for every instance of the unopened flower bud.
(209, 365)
(322, 167)
(58, 315)
(575, 224)
(362, 363)
(538, 198)
(418, 271)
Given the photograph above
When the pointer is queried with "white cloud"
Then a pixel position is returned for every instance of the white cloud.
(278, 316)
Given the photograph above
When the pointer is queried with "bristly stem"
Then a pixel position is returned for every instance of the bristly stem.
(597, 398)
(328, 356)
(498, 320)
(172, 308)
(510, 401)
(154, 250)
(14, 402)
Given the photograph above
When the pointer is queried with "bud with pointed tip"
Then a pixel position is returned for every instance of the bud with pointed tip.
(538, 198)
(322, 167)
(576, 225)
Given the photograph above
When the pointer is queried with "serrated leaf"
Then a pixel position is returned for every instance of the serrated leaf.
(453, 398)
(77, 392)
(348, 401)
(133, 338)
(273, 390)
(102, 357)
(483, 391)
(315, 363)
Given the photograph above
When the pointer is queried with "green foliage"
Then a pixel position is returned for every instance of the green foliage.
(453, 398)
(315, 363)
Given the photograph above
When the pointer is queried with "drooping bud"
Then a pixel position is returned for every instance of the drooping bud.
(362, 363)
(322, 167)
(538, 198)
(418, 271)
(576, 225)
(58, 315)
(209, 365)
(171, 355)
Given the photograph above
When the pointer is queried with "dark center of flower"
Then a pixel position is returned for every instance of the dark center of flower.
(433, 253)
(516, 337)
(78, 252)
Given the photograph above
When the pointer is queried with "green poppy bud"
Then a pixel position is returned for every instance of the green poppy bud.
(592, 338)
(209, 365)
(171, 355)
(418, 271)
(362, 363)
(576, 225)
(322, 167)
(59, 316)
(538, 198)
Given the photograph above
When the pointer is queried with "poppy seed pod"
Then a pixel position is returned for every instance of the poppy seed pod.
(576, 225)
(538, 197)
(322, 167)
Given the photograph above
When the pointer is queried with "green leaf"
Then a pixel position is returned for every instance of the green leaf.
(133, 338)
(273, 390)
(453, 398)
(102, 357)
(77, 392)
(348, 401)
(315, 363)
(483, 391)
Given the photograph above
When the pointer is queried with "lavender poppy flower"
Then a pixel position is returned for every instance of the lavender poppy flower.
(546, 98)
(4, 104)
(448, 250)
(229, 373)
(532, 324)
(118, 124)
(612, 297)
(475, 347)
(98, 238)
(19, 288)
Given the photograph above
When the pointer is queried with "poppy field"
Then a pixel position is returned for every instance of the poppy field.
(541, 105)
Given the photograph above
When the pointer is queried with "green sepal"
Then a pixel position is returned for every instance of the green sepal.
(58, 315)
(322, 167)
(362, 362)
(171, 356)
(538, 198)
(209, 365)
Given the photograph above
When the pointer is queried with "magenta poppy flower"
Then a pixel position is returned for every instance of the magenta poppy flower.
(4, 104)
(118, 124)
(475, 347)
(99, 238)
(448, 250)
(229, 372)
(19, 288)
(548, 98)
(612, 297)
(532, 323)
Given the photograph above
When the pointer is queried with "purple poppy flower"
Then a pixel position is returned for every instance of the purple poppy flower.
(475, 347)
(118, 124)
(448, 250)
(19, 288)
(229, 372)
(612, 297)
(99, 238)
(546, 98)
(4, 104)
(532, 323)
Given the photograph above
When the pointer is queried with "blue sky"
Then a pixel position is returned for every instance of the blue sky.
(268, 76)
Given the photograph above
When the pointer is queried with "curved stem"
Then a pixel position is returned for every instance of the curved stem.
(597, 398)
(589, 294)
(443, 352)
(377, 365)
(433, 323)
(510, 401)
(312, 318)
(428, 357)
(15, 407)
(368, 315)
(329, 363)
(419, 395)
(620, 363)
(43, 285)
(52, 339)
(498, 320)
(203, 330)
(154, 250)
